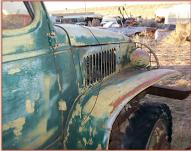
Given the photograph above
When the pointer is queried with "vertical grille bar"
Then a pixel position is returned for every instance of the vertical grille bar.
(90, 70)
(114, 62)
(87, 70)
(105, 62)
(109, 54)
(110, 59)
(94, 69)
(99, 66)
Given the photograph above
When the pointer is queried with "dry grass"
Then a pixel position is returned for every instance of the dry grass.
(146, 10)
(178, 37)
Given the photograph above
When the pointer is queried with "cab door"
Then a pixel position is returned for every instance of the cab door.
(30, 90)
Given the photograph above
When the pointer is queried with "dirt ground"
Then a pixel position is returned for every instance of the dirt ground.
(176, 56)
(180, 109)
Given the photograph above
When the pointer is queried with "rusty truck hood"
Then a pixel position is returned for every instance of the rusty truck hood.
(82, 36)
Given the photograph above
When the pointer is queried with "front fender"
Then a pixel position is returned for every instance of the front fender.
(94, 113)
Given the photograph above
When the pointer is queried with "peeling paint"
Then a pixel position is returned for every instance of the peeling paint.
(47, 83)
(102, 100)
(59, 85)
(99, 147)
(14, 70)
(37, 97)
(43, 138)
(85, 141)
(109, 96)
(40, 132)
(123, 87)
(62, 105)
(17, 126)
(90, 141)
(29, 106)
(80, 129)
(78, 111)
(94, 132)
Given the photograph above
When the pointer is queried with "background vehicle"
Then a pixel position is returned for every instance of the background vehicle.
(86, 19)
(115, 20)
(74, 87)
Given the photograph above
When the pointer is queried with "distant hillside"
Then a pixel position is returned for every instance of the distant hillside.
(145, 10)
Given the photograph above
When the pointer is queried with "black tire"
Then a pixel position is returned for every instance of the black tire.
(140, 126)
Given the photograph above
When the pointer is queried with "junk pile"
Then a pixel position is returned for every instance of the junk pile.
(181, 35)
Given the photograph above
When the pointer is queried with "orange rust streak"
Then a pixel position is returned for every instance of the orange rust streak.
(135, 90)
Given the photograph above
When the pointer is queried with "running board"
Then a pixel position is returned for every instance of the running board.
(169, 92)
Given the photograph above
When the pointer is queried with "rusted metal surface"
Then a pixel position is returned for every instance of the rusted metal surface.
(170, 92)
(112, 95)
(99, 65)
(154, 61)
(49, 97)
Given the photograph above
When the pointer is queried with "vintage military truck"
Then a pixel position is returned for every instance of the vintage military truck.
(75, 87)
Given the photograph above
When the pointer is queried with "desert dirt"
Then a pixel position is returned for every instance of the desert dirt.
(174, 54)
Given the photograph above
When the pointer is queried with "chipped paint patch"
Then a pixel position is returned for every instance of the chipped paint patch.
(99, 147)
(80, 129)
(29, 106)
(39, 134)
(90, 104)
(14, 70)
(78, 111)
(85, 141)
(42, 139)
(47, 83)
(103, 100)
(62, 105)
(17, 126)
(94, 132)
(37, 97)
(59, 85)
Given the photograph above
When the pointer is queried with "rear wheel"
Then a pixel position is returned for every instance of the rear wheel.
(150, 127)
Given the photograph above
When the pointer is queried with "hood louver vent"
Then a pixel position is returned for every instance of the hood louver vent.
(99, 66)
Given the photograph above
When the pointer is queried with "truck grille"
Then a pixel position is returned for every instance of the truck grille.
(99, 66)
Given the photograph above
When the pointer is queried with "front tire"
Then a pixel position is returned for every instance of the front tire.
(150, 127)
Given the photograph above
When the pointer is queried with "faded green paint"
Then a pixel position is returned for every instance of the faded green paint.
(45, 102)
(93, 115)
(30, 88)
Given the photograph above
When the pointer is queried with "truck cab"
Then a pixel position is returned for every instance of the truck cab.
(63, 86)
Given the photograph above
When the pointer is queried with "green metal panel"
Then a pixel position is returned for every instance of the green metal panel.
(66, 74)
(30, 88)
(79, 36)
(44, 96)
(83, 36)
(106, 37)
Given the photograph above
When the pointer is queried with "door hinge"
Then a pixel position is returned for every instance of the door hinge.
(51, 34)
(52, 40)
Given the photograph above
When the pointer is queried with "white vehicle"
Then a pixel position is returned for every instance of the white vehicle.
(113, 21)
